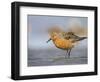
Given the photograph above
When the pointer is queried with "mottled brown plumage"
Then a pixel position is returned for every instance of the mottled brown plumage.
(64, 40)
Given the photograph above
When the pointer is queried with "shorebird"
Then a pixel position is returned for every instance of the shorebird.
(64, 40)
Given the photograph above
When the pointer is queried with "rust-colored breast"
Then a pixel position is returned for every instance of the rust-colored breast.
(63, 44)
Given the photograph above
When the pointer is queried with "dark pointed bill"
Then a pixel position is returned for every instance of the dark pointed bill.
(48, 40)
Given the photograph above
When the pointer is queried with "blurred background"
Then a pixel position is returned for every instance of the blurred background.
(41, 53)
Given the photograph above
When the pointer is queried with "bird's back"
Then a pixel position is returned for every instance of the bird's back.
(71, 35)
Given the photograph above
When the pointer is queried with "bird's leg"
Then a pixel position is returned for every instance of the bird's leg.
(66, 54)
(69, 53)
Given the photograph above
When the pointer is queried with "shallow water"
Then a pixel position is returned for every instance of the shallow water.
(48, 57)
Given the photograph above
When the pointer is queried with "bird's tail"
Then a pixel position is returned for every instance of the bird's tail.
(81, 38)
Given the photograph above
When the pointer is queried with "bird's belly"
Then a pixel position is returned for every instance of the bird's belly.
(63, 44)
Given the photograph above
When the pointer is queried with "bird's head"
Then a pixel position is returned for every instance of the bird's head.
(53, 32)
(53, 36)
